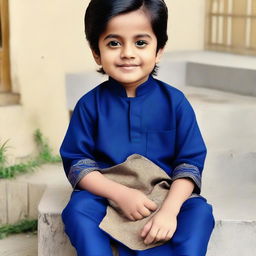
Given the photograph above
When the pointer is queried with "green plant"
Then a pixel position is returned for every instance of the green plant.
(20, 227)
(44, 156)
(3, 150)
(12, 170)
(45, 152)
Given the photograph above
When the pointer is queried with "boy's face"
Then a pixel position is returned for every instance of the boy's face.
(128, 49)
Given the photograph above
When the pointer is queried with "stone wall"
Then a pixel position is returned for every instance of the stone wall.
(19, 200)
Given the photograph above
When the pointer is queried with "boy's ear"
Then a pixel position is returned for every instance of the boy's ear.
(96, 57)
(159, 55)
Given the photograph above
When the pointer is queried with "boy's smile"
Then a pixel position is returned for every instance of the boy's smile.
(128, 50)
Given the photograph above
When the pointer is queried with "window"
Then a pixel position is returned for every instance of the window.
(5, 83)
(231, 26)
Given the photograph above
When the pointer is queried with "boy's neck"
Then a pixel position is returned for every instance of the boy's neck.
(131, 92)
(131, 89)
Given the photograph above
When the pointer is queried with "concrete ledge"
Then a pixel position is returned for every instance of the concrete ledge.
(51, 237)
(20, 196)
(24, 244)
(19, 200)
(78, 84)
(7, 98)
(230, 237)
(232, 79)
(233, 238)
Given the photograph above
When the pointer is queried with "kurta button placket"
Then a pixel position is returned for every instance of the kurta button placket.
(135, 120)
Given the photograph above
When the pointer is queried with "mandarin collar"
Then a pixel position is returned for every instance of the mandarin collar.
(142, 89)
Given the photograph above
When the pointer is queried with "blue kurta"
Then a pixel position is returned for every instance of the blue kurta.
(159, 123)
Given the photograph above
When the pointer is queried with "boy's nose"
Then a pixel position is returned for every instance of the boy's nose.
(127, 52)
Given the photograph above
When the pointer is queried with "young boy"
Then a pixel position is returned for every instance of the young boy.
(133, 113)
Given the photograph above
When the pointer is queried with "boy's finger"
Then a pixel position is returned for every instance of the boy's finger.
(161, 235)
(151, 205)
(151, 236)
(137, 216)
(129, 216)
(146, 229)
(169, 235)
(144, 211)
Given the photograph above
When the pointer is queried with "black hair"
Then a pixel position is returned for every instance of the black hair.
(99, 12)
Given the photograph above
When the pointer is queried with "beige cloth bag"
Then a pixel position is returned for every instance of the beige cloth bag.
(140, 173)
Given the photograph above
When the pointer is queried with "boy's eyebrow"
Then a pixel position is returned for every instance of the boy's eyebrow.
(143, 35)
(111, 36)
(118, 36)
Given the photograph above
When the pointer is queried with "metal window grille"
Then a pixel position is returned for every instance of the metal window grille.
(231, 26)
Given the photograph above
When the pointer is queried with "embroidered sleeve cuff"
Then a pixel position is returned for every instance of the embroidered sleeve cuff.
(80, 169)
(188, 171)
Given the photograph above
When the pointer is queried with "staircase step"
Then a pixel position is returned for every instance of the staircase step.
(51, 237)
(215, 70)
(232, 79)
(20, 196)
(225, 186)
(225, 241)
(228, 181)
(19, 245)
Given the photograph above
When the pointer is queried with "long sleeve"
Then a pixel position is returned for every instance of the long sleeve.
(78, 145)
(190, 150)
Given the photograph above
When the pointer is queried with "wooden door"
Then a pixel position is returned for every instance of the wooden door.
(5, 81)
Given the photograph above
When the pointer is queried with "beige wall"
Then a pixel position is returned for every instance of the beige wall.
(47, 41)
(186, 25)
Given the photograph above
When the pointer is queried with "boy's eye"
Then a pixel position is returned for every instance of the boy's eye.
(141, 43)
(113, 44)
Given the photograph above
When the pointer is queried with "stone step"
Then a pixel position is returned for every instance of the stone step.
(228, 181)
(51, 237)
(225, 119)
(20, 196)
(230, 237)
(19, 245)
(226, 187)
(222, 74)
(222, 78)
(208, 69)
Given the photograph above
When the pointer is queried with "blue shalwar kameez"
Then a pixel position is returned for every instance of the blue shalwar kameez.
(106, 127)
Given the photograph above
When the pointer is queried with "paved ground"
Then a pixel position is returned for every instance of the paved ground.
(19, 245)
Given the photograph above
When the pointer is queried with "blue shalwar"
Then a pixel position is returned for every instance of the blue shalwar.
(106, 127)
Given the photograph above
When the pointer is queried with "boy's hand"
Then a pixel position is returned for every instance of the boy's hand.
(160, 227)
(134, 204)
